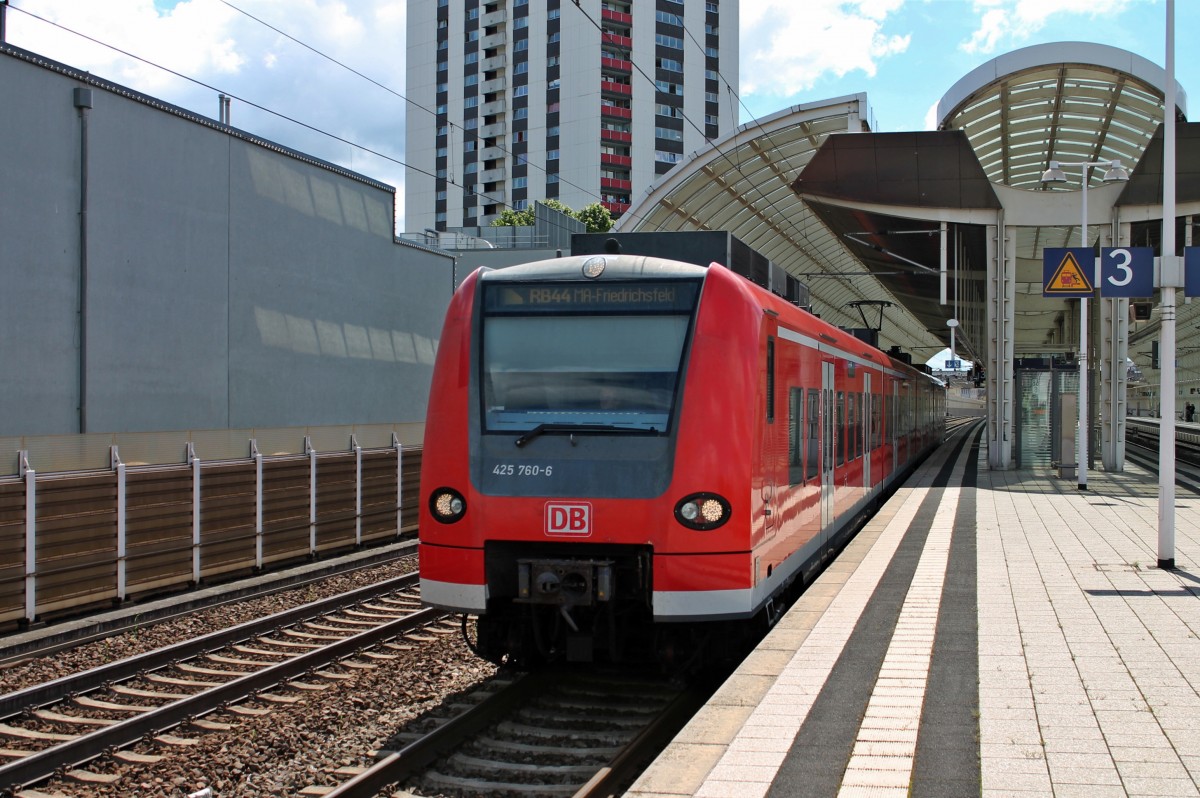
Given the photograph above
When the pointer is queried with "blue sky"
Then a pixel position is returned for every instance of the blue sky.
(905, 54)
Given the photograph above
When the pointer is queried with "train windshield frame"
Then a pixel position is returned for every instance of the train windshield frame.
(590, 357)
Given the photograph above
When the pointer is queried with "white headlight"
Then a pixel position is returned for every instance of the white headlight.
(447, 505)
(711, 511)
(702, 511)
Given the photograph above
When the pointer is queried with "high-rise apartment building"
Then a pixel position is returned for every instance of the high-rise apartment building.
(519, 100)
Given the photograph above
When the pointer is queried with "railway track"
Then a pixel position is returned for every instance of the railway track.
(541, 734)
(62, 637)
(1187, 474)
(1141, 446)
(957, 423)
(63, 724)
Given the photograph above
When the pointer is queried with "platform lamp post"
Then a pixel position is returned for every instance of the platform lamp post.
(1171, 278)
(1114, 173)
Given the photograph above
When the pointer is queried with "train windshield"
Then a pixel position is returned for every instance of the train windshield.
(587, 356)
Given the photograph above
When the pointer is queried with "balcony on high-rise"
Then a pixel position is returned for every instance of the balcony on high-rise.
(613, 87)
(615, 111)
(616, 65)
(609, 159)
(616, 40)
(615, 208)
(616, 16)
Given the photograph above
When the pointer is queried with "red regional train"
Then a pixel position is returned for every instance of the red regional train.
(624, 452)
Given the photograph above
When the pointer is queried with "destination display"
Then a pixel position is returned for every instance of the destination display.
(577, 297)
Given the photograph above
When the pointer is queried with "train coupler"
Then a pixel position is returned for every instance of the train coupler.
(567, 583)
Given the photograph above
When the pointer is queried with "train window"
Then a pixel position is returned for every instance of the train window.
(891, 418)
(859, 425)
(851, 424)
(577, 356)
(796, 433)
(770, 380)
(812, 451)
(864, 432)
(839, 429)
(864, 428)
(876, 420)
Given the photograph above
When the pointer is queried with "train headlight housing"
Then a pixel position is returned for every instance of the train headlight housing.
(447, 505)
(702, 511)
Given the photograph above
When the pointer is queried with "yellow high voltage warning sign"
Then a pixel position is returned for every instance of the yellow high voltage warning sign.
(1063, 274)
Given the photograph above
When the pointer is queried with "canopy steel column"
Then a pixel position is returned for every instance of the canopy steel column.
(1001, 303)
(1114, 373)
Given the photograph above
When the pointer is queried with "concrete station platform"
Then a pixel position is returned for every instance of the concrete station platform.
(989, 632)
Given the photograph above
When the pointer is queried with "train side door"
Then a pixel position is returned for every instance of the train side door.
(827, 424)
(865, 430)
(893, 423)
(770, 453)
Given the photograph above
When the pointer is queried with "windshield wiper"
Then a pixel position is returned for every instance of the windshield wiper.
(541, 428)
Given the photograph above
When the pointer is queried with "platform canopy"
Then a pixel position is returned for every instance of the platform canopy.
(867, 217)
(742, 184)
(1069, 102)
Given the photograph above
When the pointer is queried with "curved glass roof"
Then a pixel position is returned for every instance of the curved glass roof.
(1066, 101)
(742, 183)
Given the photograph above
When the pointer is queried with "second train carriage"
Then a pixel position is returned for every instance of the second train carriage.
(622, 451)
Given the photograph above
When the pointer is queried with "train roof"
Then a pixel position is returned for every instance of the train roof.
(620, 265)
(611, 265)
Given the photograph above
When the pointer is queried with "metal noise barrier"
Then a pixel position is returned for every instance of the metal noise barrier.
(105, 531)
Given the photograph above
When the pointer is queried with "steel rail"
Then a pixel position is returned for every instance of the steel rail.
(421, 753)
(631, 761)
(1187, 474)
(40, 766)
(85, 681)
(230, 594)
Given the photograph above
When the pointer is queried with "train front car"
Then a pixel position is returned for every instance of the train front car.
(582, 461)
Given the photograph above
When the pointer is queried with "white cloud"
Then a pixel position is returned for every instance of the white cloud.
(931, 117)
(191, 38)
(1010, 22)
(229, 52)
(788, 46)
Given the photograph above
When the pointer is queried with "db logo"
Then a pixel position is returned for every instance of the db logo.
(569, 519)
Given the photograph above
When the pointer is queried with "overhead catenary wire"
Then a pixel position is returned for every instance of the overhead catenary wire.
(780, 216)
(465, 132)
(736, 165)
(753, 120)
(258, 106)
(683, 115)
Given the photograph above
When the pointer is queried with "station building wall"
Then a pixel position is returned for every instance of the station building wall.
(230, 283)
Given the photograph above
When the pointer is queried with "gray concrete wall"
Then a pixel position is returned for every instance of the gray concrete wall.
(229, 283)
